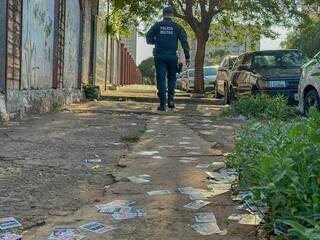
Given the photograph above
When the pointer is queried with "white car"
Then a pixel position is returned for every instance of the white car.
(309, 86)
(209, 73)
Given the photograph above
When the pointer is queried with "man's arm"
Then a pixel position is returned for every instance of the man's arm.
(151, 36)
(184, 42)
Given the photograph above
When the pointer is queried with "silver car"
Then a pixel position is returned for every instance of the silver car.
(309, 86)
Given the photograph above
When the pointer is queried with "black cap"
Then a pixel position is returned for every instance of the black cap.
(168, 10)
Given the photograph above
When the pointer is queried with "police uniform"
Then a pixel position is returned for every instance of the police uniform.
(165, 36)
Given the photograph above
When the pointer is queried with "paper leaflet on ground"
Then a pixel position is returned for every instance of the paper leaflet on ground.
(203, 166)
(158, 157)
(8, 223)
(201, 194)
(159, 192)
(206, 228)
(205, 217)
(97, 227)
(147, 153)
(186, 161)
(96, 160)
(197, 204)
(65, 233)
(191, 148)
(114, 206)
(236, 216)
(223, 176)
(140, 178)
(251, 219)
(10, 236)
(226, 186)
(246, 219)
(128, 213)
(189, 158)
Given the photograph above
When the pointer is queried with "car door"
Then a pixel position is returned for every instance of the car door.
(235, 75)
(244, 79)
(315, 72)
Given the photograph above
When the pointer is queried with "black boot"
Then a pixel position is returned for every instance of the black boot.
(162, 108)
(171, 104)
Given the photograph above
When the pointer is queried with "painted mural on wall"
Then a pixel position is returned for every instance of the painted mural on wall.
(72, 38)
(37, 46)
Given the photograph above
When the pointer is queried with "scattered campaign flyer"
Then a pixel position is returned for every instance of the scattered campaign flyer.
(67, 236)
(140, 179)
(97, 227)
(203, 166)
(64, 233)
(205, 217)
(10, 236)
(128, 213)
(114, 206)
(195, 205)
(206, 228)
(8, 223)
(236, 216)
(158, 192)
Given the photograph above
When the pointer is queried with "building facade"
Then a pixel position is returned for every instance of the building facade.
(48, 50)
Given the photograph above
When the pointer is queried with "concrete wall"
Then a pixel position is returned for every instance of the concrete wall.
(2, 42)
(86, 41)
(37, 44)
(21, 103)
(36, 94)
(72, 41)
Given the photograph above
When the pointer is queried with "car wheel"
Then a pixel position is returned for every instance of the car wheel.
(311, 100)
(232, 97)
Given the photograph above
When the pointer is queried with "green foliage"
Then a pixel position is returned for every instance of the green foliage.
(147, 68)
(90, 91)
(261, 106)
(133, 138)
(305, 37)
(280, 163)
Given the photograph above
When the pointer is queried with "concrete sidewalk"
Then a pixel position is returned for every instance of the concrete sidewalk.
(193, 131)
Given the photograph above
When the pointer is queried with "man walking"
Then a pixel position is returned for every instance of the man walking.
(165, 36)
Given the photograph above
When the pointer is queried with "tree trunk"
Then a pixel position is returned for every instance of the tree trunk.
(199, 63)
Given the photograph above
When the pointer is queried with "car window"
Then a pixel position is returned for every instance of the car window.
(231, 62)
(224, 63)
(209, 71)
(191, 73)
(247, 60)
(281, 59)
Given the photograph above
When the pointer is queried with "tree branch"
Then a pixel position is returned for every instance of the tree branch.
(203, 9)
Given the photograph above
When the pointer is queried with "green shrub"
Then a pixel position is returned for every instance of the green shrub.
(280, 163)
(90, 91)
(261, 106)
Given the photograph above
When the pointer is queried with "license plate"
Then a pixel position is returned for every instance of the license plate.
(296, 97)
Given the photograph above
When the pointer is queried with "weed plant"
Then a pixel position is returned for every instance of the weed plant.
(261, 106)
(280, 163)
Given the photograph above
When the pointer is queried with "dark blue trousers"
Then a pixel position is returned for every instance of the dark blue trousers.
(166, 67)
